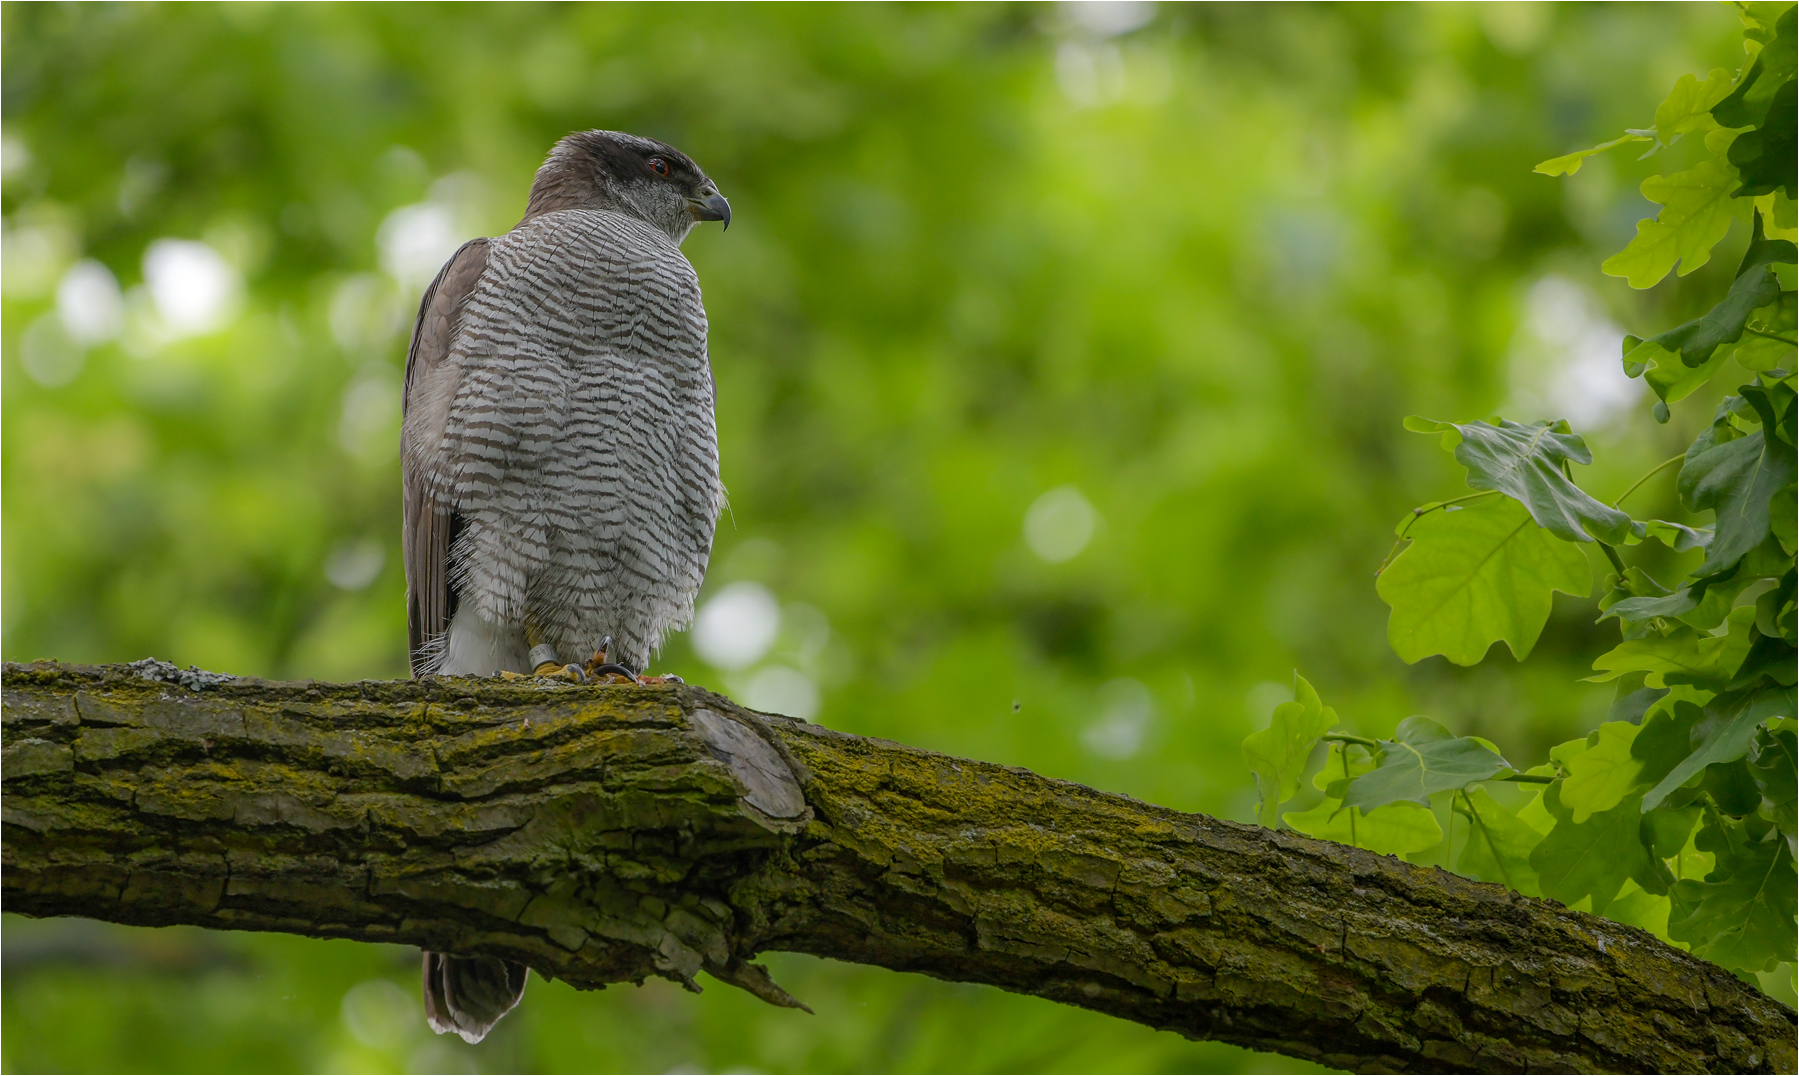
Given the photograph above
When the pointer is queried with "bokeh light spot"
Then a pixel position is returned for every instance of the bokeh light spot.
(380, 1015)
(195, 289)
(1125, 710)
(49, 355)
(90, 304)
(354, 565)
(781, 690)
(1059, 524)
(737, 627)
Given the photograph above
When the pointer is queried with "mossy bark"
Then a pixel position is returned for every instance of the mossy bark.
(607, 834)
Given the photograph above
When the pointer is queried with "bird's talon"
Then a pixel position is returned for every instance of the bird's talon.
(598, 662)
(612, 674)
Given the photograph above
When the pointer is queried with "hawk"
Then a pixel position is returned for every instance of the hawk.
(558, 451)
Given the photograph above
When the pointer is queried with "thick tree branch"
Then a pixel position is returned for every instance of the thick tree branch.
(607, 834)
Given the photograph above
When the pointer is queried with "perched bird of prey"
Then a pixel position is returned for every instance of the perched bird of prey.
(558, 451)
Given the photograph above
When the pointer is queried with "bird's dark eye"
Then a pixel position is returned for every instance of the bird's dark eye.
(659, 166)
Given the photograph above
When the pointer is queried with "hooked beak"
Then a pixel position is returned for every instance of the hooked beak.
(712, 207)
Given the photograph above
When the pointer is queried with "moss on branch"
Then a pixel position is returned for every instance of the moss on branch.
(607, 834)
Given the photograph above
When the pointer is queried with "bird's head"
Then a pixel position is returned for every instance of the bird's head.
(640, 177)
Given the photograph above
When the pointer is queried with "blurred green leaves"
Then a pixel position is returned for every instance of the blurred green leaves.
(1698, 762)
(1742, 915)
(1499, 842)
(1686, 109)
(1277, 755)
(1396, 829)
(1593, 858)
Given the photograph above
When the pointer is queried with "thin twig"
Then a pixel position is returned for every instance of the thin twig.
(1612, 555)
(1474, 818)
(1657, 469)
(1418, 513)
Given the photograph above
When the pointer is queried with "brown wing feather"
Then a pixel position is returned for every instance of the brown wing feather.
(429, 526)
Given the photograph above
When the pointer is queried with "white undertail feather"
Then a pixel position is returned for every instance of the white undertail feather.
(476, 647)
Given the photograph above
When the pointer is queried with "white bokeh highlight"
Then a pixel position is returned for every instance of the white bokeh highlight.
(194, 288)
(365, 315)
(1059, 524)
(90, 303)
(1109, 18)
(737, 626)
(369, 426)
(1567, 363)
(354, 565)
(380, 1015)
(48, 354)
(778, 689)
(1125, 710)
(415, 241)
(35, 256)
(15, 156)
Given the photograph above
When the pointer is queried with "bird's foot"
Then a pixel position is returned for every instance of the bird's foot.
(544, 665)
(549, 670)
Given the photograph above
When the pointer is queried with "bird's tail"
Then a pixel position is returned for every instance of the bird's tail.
(468, 994)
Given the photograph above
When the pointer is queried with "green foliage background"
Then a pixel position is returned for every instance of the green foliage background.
(1197, 269)
(1677, 814)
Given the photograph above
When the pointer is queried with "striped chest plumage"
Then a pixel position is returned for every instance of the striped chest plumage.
(579, 448)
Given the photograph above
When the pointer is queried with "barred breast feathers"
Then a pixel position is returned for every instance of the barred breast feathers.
(566, 289)
(571, 427)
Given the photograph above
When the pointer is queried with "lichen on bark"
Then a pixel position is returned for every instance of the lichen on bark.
(608, 834)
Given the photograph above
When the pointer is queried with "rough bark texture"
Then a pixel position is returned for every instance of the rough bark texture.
(607, 834)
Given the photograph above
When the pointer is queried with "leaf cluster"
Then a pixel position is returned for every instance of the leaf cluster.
(1678, 813)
